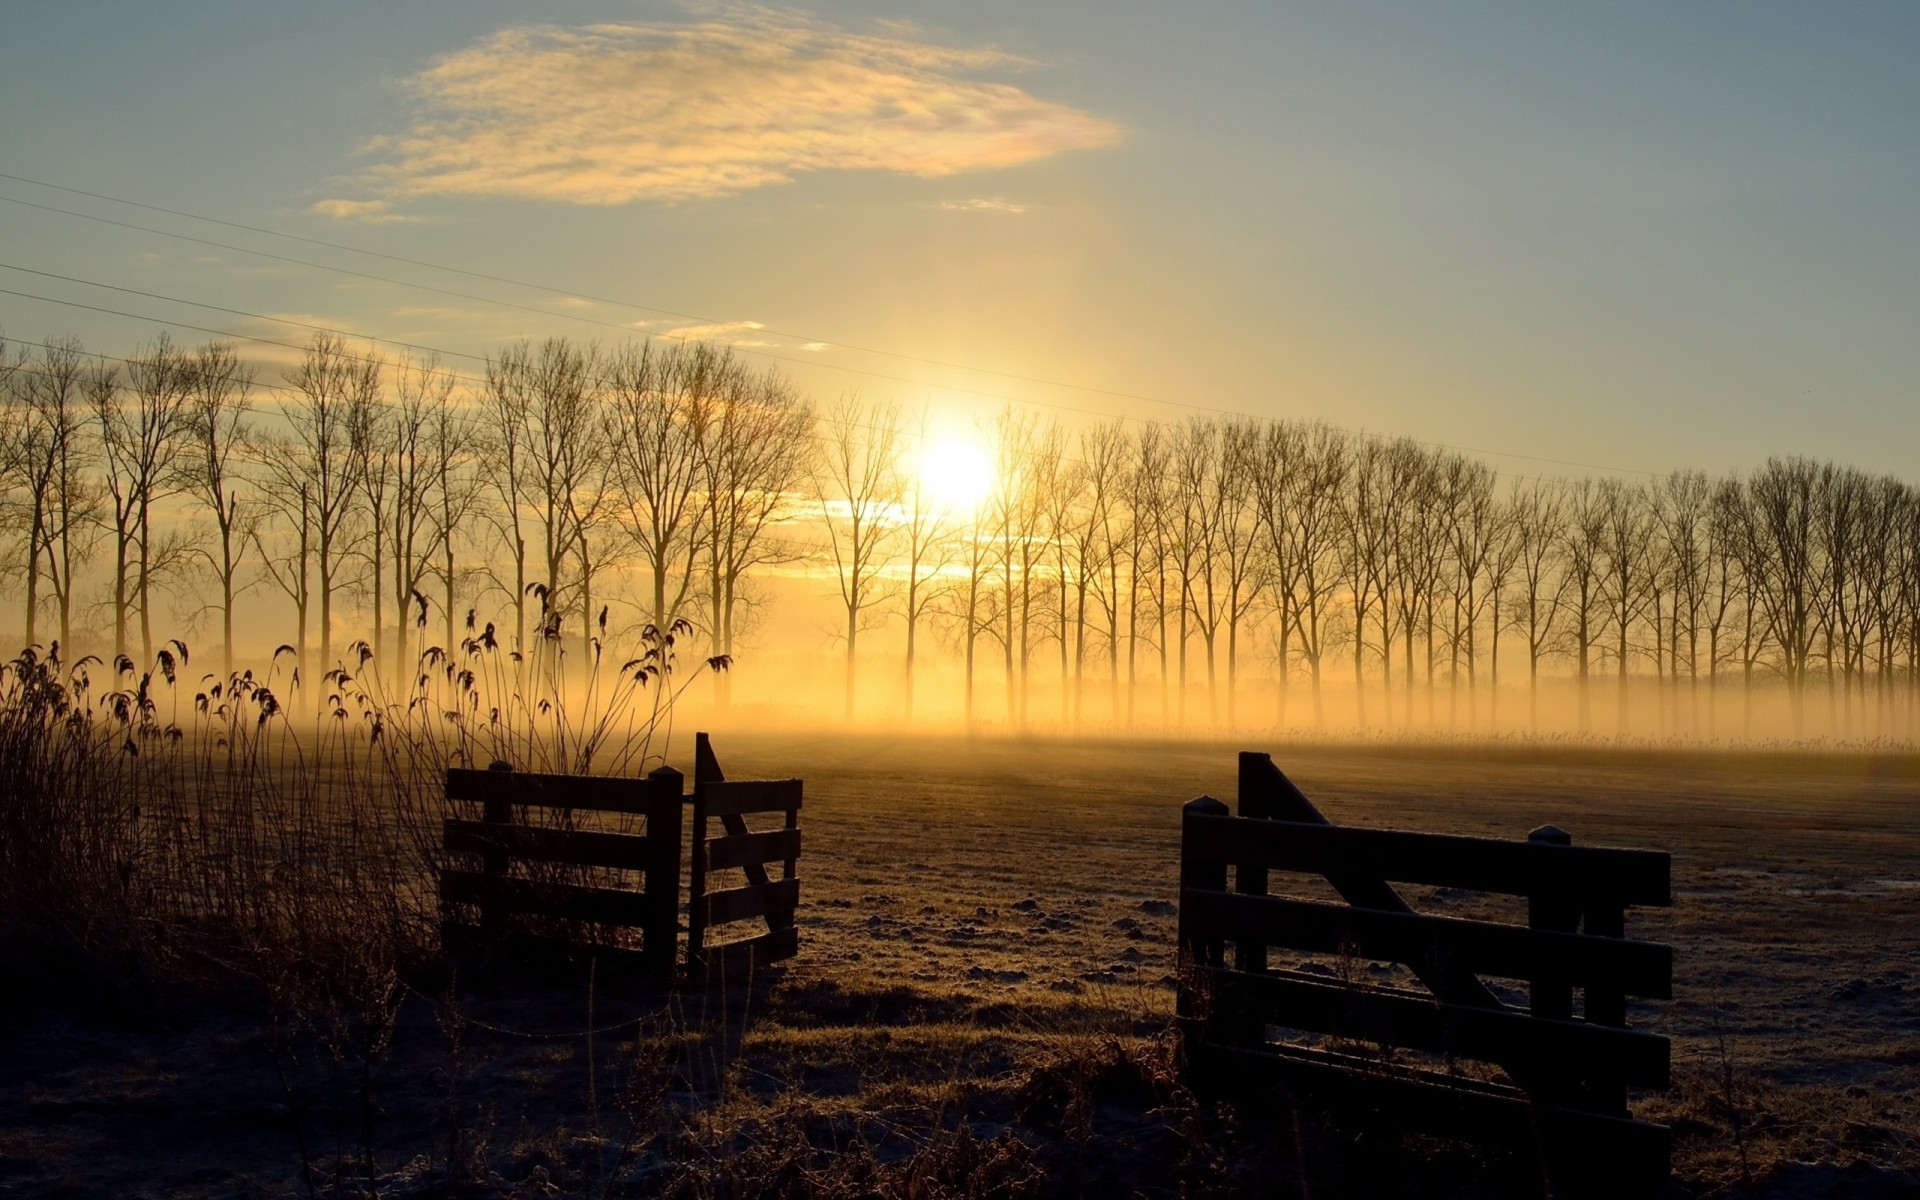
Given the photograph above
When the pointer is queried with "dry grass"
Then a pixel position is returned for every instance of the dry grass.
(252, 1005)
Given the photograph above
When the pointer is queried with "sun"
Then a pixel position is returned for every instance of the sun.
(957, 474)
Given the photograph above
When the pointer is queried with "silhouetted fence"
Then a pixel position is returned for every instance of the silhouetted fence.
(1394, 1053)
(541, 866)
(738, 847)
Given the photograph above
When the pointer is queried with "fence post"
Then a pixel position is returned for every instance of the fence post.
(497, 813)
(1552, 999)
(1250, 880)
(661, 933)
(1196, 1000)
(697, 876)
(1606, 1003)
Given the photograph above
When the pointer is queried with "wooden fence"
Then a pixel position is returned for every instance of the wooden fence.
(739, 848)
(540, 865)
(1393, 1053)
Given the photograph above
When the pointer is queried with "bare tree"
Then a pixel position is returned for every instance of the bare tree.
(927, 546)
(1583, 545)
(1095, 526)
(1197, 539)
(1626, 573)
(550, 474)
(314, 480)
(143, 430)
(1473, 533)
(455, 490)
(1298, 489)
(858, 484)
(1773, 536)
(1148, 495)
(1243, 565)
(756, 457)
(53, 459)
(1538, 517)
(423, 390)
(1683, 509)
(219, 387)
(660, 406)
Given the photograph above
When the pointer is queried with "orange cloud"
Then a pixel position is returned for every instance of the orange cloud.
(371, 212)
(610, 114)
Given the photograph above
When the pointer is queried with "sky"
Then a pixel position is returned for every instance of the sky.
(1626, 237)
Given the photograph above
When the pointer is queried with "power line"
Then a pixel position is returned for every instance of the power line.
(470, 379)
(511, 282)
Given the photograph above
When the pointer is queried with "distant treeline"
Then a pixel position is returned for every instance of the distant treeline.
(570, 489)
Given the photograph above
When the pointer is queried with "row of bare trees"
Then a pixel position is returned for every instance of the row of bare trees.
(1160, 562)
(1114, 573)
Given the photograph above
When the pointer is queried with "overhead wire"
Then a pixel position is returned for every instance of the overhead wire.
(565, 292)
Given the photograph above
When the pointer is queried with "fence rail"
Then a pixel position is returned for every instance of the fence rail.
(1566, 1076)
(527, 857)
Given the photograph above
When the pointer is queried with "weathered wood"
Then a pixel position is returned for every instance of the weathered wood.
(1554, 912)
(622, 851)
(1249, 877)
(734, 960)
(754, 796)
(1418, 1022)
(1360, 888)
(1435, 943)
(738, 850)
(1587, 1154)
(1572, 1075)
(1205, 875)
(772, 900)
(1641, 877)
(706, 775)
(663, 869)
(593, 793)
(560, 901)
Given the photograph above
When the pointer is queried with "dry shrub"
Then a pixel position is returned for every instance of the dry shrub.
(797, 1157)
(151, 828)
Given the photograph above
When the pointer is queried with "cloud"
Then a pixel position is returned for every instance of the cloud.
(611, 114)
(367, 212)
(982, 205)
(708, 333)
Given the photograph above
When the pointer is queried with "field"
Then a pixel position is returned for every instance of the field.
(982, 998)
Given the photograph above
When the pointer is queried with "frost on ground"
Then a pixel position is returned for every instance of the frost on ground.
(982, 1001)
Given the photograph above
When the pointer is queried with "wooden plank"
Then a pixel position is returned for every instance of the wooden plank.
(738, 850)
(1415, 1021)
(623, 851)
(735, 960)
(594, 793)
(754, 796)
(1250, 879)
(775, 901)
(1450, 1106)
(1641, 877)
(1207, 876)
(1435, 943)
(706, 773)
(1285, 802)
(566, 902)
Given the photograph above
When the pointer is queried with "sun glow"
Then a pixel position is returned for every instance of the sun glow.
(957, 474)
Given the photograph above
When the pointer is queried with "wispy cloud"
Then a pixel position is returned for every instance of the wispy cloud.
(367, 212)
(716, 332)
(982, 205)
(610, 114)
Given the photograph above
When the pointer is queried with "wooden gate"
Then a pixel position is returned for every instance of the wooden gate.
(546, 874)
(1393, 1053)
(737, 847)
(541, 866)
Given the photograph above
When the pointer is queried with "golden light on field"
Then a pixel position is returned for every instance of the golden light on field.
(957, 474)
